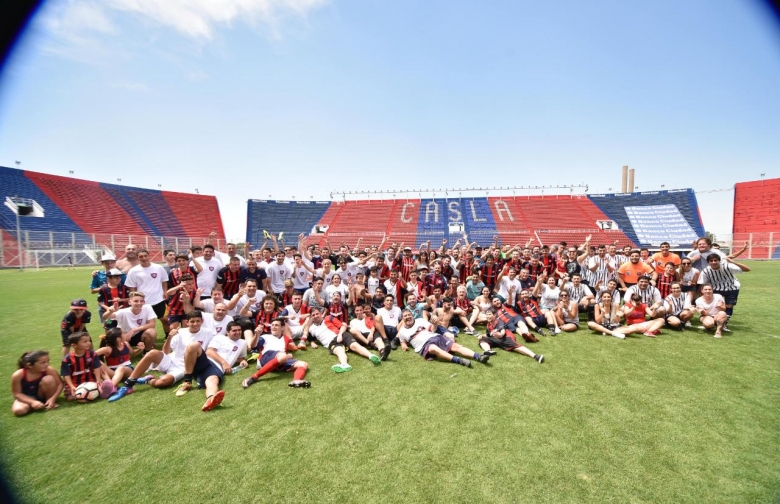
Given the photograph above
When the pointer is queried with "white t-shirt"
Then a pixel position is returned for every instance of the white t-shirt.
(228, 349)
(417, 335)
(207, 278)
(372, 283)
(257, 306)
(359, 325)
(277, 274)
(327, 277)
(225, 259)
(183, 338)
(128, 321)
(330, 289)
(148, 280)
(323, 333)
(300, 278)
(710, 309)
(216, 326)
(506, 284)
(390, 317)
(548, 298)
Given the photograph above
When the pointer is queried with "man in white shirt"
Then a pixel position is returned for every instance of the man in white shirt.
(169, 360)
(230, 253)
(429, 344)
(332, 334)
(277, 273)
(207, 277)
(364, 330)
(152, 280)
(218, 321)
(650, 295)
(136, 322)
(209, 366)
(386, 321)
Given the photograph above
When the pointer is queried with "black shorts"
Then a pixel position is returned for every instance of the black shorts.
(176, 318)
(505, 343)
(346, 341)
(730, 296)
(540, 320)
(246, 324)
(159, 309)
(688, 288)
(204, 369)
(136, 338)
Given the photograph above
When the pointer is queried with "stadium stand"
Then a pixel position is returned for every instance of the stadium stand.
(649, 218)
(290, 217)
(757, 216)
(197, 214)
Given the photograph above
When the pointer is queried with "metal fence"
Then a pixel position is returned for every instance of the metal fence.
(47, 248)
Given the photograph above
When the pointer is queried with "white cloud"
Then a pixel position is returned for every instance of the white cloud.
(131, 86)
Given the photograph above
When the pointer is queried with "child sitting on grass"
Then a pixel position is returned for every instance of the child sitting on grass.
(117, 355)
(82, 365)
(35, 385)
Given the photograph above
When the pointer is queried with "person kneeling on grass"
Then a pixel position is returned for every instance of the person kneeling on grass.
(426, 342)
(274, 349)
(210, 366)
(35, 385)
(711, 308)
(330, 332)
(498, 336)
(635, 311)
(170, 360)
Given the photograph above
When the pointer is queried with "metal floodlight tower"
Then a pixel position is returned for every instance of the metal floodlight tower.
(22, 207)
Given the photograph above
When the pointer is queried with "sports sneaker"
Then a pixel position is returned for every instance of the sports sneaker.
(339, 368)
(213, 401)
(384, 353)
(299, 384)
(557, 330)
(373, 358)
(470, 331)
(540, 331)
(106, 389)
(395, 343)
(183, 389)
(490, 353)
(618, 335)
(539, 358)
(248, 382)
(688, 324)
(119, 394)
(465, 362)
(145, 379)
(726, 328)
(484, 358)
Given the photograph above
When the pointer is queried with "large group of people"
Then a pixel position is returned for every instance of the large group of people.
(221, 311)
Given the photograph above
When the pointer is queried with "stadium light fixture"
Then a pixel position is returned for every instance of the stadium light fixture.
(119, 180)
(22, 207)
(17, 164)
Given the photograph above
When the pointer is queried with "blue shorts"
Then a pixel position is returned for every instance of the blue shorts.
(442, 342)
(729, 296)
(270, 355)
(204, 369)
(444, 330)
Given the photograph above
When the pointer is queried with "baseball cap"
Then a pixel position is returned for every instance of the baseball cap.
(108, 257)
(79, 303)
(408, 248)
(114, 272)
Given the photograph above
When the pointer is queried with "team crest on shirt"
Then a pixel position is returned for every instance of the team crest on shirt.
(219, 329)
(211, 268)
(235, 348)
(139, 321)
(154, 275)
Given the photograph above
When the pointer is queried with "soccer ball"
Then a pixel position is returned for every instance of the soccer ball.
(87, 392)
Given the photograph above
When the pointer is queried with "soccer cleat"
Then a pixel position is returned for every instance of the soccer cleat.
(252, 357)
(106, 388)
(145, 379)
(465, 362)
(384, 353)
(265, 234)
(490, 353)
(213, 401)
(183, 389)
(470, 331)
(373, 358)
(248, 382)
(299, 384)
(119, 394)
(341, 368)
(281, 235)
(539, 358)
(484, 358)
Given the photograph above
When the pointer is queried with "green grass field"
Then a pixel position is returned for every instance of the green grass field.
(682, 418)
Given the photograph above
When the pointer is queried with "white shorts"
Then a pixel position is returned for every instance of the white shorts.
(295, 331)
(169, 366)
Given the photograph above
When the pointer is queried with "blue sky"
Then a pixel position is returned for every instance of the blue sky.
(256, 98)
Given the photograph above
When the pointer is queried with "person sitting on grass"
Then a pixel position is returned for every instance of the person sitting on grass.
(210, 366)
(678, 307)
(566, 313)
(711, 308)
(607, 315)
(548, 294)
(512, 320)
(648, 295)
(443, 318)
(82, 365)
(635, 311)
(137, 322)
(364, 330)
(169, 360)
(74, 322)
(117, 353)
(275, 348)
(330, 332)
(498, 336)
(35, 385)
(431, 345)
